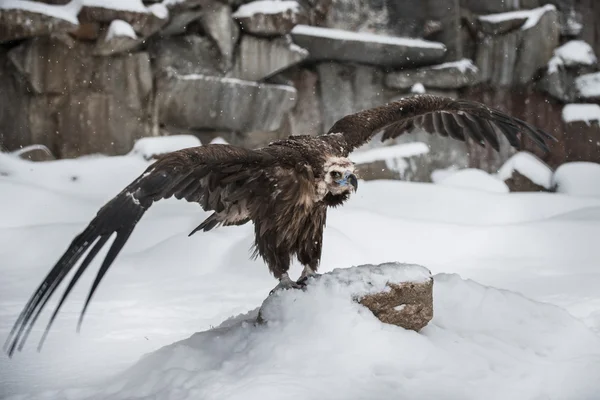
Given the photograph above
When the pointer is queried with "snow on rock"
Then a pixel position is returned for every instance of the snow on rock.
(159, 10)
(472, 178)
(531, 17)
(149, 147)
(587, 113)
(320, 344)
(417, 88)
(124, 5)
(529, 166)
(578, 179)
(571, 54)
(266, 7)
(394, 156)
(368, 48)
(450, 75)
(588, 85)
(219, 140)
(119, 28)
(67, 12)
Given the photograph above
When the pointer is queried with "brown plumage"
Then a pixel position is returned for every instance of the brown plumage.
(284, 189)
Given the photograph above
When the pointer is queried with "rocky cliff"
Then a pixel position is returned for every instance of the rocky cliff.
(90, 76)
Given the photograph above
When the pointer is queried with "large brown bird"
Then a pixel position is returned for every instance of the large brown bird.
(284, 189)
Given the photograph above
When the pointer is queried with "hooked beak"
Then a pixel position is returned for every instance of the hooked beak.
(353, 181)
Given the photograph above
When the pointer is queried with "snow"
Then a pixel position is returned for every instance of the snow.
(540, 249)
(394, 156)
(232, 81)
(581, 112)
(150, 146)
(463, 65)
(417, 88)
(67, 12)
(578, 179)
(218, 140)
(588, 85)
(120, 28)
(533, 16)
(338, 34)
(576, 52)
(266, 7)
(159, 10)
(471, 178)
(529, 166)
(123, 5)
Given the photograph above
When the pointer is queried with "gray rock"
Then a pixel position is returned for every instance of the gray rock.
(258, 58)
(179, 21)
(500, 58)
(219, 25)
(358, 16)
(190, 54)
(560, 84)
(216, 103)
(336, 45)
(272, 23)
(306, 118)
(19, 24)
(452, 75)
(87, 105)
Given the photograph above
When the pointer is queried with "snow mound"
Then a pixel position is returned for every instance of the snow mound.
(529, 166)
(578, 179)
(472, 178)
(149, 146)
(533, 16)
(320, 344)
(266, 7)
(581, 112)
(120, 28)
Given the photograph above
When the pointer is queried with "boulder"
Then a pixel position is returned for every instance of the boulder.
(396, 294)
(222, 29)
(189, 54)
(216, 103)
(270, 17)
(258, 58)
(19, 20)
(524, 172)
(179, 21)
(499, 57)
(451, 75)
(588, 86)
(366, 48)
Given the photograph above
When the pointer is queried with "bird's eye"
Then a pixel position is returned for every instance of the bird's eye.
(335, 174)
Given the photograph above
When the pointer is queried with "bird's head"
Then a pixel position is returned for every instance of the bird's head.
(339, 176)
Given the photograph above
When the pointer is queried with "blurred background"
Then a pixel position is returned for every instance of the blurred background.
(93, 76)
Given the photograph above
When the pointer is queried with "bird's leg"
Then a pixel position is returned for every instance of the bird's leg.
(307, 272)
(285, 282)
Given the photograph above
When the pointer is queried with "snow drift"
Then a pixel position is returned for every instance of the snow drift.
(320, 344)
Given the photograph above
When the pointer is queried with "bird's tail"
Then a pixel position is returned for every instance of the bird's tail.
(120, 216)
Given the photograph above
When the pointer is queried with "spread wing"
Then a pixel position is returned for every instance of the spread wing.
(458, 119)
(216, 176)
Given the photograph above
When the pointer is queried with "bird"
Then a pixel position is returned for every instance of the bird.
(284, 189)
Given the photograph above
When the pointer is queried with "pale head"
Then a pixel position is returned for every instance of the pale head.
(338, 177)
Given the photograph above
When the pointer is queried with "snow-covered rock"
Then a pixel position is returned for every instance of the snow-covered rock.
(259, 58)
(525, 172)
(270, 17)
(400, 161)
(588, 86)
(118, 38)
(319, 343)
(450, 75)
(216, 103)
(578, 179)
(472, 178)
(573, 54)
(367, 48)
(150, 147)
(23, 18)
(579, 112)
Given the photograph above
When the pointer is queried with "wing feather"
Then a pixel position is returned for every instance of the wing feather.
(197, 174)
(433, 114)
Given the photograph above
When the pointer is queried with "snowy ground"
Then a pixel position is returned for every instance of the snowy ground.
(165, 286)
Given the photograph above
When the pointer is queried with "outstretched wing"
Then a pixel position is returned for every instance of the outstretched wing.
(458, 119)
(212, 175)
